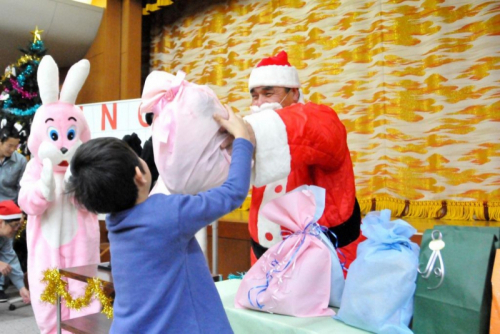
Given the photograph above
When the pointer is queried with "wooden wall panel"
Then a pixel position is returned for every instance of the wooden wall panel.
(115, 55)
(233, 248)
(131, 34)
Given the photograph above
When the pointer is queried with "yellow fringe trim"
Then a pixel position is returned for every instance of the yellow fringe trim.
(152, 7)
(451, 210)
(494, 211)
(397, 206)
(464, 210)
(425, 209)
(57, 287)
(365, 205)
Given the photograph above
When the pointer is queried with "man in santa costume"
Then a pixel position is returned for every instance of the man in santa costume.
(298, 144)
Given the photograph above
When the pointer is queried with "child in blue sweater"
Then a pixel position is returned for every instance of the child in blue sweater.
(161, 278)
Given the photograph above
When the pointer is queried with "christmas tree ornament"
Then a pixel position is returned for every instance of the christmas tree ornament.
(20, 98)
(36, 35)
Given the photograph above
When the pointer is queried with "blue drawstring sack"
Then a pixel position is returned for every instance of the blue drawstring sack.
(337, 281)
(381, 281)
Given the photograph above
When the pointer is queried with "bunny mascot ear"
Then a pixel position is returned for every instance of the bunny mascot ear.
(48, 80)
(74, 81)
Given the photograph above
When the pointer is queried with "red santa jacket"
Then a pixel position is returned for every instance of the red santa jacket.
(303, 144)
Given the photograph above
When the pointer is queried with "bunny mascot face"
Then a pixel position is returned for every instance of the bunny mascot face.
(59, 235)
(57, 137)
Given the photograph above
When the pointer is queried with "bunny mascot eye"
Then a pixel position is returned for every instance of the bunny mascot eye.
(71, 134)
(60, 234)
(53, 133)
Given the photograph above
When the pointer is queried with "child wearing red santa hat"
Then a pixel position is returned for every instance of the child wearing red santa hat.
(10, 221)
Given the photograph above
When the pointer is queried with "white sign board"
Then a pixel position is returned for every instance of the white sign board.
(116, 119)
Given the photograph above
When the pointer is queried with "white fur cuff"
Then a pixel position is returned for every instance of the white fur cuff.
(272, 155)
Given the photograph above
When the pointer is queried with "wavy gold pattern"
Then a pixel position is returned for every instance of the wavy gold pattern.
(415, 82)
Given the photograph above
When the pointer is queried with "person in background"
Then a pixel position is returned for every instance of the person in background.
(12, 166)
(12, 163)
(134, 142)
(10, 221)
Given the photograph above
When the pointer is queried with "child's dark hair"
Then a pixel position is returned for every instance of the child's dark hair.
(102, 179)
(8, 131)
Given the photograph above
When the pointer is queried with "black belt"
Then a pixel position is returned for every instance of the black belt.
(346, 232)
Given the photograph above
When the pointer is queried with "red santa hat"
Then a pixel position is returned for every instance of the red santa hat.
(9, 210)
(274, 71)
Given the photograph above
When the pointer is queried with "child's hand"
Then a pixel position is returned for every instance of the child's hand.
(5, 268)
(25, 294)
(235, 125)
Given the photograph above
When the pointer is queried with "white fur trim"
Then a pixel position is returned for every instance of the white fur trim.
(272, 153)
(10, 217)
(265, 227)
(274, 75)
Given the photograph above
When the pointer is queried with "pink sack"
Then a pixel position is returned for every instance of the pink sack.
(292, 277)
(186, 138)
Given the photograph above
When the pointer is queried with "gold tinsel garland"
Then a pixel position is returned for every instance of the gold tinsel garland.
(57, 287)
(21, 229)
(21, 61)
(26, 58)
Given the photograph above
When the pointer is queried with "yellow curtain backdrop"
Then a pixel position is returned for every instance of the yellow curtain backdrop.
(149, 6)
(416, 83)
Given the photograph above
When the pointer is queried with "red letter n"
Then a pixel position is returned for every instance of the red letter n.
(105, 114)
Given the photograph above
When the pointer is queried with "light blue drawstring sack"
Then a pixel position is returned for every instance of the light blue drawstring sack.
(337, 282)
(381, 281)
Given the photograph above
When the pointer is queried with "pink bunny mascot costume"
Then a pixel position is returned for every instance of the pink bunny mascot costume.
(59, 234)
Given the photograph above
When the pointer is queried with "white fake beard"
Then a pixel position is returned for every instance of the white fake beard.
(264, 106)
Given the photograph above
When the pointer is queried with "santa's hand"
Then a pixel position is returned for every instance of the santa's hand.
(228, 141)
(227, 144)
(47, 182)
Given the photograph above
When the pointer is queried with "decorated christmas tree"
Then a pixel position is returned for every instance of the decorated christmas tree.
(19, 97)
